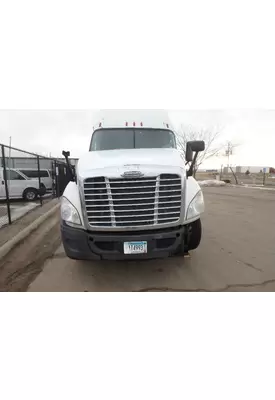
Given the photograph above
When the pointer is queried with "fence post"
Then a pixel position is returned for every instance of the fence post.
(57, 179)
(53, 179)
(39, 179)
(6, 184)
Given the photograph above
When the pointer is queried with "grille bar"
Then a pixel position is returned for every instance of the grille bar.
(132, 187)
(156, 205)
(120, 194)
(131, 181)
(128, 205)
(133, 222)
(134, 210)
(142, 198)
(133, 203)
(131, 216)
(112, 211)
(137, 215)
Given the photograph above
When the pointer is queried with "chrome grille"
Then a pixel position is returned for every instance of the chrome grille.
(133, 202)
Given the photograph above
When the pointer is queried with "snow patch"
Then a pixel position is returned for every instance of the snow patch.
(212, 183)
(17, 211)
(255, 187)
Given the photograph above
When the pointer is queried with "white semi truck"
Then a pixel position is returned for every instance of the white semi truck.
(132, 195)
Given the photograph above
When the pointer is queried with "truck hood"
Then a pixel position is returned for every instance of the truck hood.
(118, 159)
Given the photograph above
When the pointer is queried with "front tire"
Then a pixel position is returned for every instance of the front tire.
(30, 194)
(195, 235)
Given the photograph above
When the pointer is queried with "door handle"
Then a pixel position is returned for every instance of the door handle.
(2, 183)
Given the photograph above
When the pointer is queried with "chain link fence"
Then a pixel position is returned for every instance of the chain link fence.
(27, 181)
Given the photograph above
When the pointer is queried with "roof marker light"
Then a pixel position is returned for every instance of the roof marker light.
(100, 124)
(134, 124)
(126, 124)
(141, 124)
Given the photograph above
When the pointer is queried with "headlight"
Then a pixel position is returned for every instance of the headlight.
(69, 213)
(196, 206)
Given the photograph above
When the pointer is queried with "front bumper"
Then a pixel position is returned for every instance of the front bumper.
(85, 245)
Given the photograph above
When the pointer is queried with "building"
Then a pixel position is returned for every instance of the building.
(244, 169)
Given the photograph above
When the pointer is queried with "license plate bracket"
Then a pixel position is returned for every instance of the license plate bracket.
(135, 247)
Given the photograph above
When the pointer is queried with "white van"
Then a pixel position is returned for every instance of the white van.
(19, 186)
(132, 196)
(45, 176)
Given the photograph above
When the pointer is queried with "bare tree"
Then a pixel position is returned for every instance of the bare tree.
(209, 136)
(230, 151)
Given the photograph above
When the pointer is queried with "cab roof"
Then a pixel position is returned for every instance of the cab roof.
(157, 119)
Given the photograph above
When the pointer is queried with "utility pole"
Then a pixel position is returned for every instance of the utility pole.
(229, 152)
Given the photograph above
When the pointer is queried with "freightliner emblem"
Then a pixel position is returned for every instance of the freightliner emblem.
(132, 174)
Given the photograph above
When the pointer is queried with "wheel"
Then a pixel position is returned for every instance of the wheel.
(30, 194)
(195, 235)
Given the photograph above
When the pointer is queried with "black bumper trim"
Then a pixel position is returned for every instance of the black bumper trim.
(85, 245)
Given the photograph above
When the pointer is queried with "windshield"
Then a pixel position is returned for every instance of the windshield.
(116, 139)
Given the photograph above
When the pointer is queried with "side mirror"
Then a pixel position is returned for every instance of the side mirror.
(197, 145)
(66, 154)
(193, 147)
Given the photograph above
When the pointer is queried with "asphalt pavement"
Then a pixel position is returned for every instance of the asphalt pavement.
(237, 253)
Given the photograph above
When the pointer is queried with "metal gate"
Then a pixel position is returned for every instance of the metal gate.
(61, 176)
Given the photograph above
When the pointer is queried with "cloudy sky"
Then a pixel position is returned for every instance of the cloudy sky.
(48, 132)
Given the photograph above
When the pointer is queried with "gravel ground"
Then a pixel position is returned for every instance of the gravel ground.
(9, 231)
(21, 266)
(237, 254)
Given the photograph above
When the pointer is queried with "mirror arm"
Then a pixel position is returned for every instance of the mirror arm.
(191, 169)
(66, 154)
